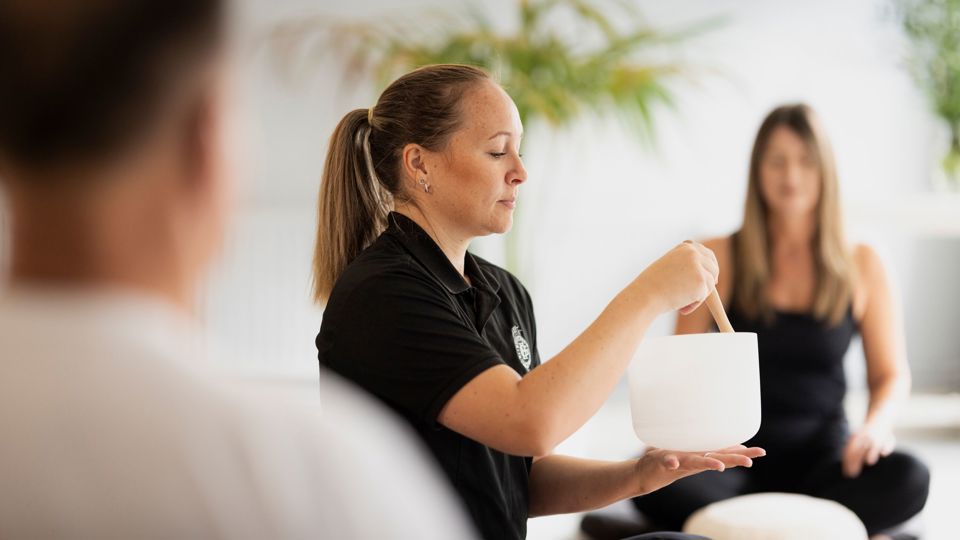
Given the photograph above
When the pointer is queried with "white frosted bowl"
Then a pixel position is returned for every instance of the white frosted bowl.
(696, 392)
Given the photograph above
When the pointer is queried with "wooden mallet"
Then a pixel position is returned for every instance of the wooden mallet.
(716, 309)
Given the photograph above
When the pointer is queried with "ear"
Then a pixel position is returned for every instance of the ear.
(201, 143)
(204, 186)
(413, 161)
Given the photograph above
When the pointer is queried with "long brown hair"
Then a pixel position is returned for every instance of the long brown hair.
(361, 175)
(832, 258)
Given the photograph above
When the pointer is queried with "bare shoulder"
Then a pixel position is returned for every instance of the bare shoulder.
(869, 265)
(718, 243)
(870, 277)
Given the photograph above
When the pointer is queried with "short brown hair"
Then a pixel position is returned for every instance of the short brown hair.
(79, 80)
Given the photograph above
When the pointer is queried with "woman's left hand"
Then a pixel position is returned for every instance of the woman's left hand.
(866, 446)
(658, 468)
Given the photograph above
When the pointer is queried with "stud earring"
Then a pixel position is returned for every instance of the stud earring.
(426, 186)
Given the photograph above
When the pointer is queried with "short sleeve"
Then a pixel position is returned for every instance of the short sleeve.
(402, 337)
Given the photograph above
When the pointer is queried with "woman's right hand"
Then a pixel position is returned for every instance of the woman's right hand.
(657, 468)
(681, 279)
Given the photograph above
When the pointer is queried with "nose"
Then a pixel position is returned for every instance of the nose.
(518, 174)
(793, 175)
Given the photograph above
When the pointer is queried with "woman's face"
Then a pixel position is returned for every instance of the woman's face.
(790, 176)
(475, 178)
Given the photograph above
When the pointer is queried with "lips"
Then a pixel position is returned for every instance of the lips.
(509, 203)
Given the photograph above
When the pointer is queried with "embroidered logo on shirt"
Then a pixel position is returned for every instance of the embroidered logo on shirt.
(523, 349)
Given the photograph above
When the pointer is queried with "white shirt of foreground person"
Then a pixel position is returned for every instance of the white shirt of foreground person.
(111, 426)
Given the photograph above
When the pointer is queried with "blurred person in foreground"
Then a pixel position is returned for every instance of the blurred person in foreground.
(112, 161)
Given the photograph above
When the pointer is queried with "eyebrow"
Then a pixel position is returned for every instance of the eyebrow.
(502, 133)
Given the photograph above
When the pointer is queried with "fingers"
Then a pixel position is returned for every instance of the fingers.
(705, 289)
(689, 462)
(670, 462)
(872, 454)
(698, 462)
(713, 267)
(719, 460)
(732, 460)
(682, 279)
(888, 447)
(708, 259)
(853, 455)
(713, 461)
(737, 456)
(690, 308)
(752, 452)
(708, 276)
(864, 449)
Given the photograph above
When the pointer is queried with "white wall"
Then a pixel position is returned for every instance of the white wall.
(599, 205)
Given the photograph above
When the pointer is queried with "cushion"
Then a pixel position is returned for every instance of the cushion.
(776, 516)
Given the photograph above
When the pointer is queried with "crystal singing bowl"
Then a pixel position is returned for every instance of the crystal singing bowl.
(696, 392)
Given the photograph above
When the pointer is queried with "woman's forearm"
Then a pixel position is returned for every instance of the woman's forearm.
(563, 484)
(563, 393)
(886, 396)
(530, 415)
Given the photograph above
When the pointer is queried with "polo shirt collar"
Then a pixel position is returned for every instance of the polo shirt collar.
(429, 254)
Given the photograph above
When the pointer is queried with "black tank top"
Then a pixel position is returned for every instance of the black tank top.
(802, 382)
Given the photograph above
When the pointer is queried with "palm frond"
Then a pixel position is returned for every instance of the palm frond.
(933, 27)
(549, 75)
(604, 64)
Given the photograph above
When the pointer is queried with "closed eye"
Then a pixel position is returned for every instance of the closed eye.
(497, 155)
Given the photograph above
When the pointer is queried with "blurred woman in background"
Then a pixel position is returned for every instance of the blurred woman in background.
(790, 276)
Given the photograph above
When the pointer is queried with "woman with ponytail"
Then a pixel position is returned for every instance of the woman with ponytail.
(447, 339)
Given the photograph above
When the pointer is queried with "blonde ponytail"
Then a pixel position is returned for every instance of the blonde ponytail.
(352, 205)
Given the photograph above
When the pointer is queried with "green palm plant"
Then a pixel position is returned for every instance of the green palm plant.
(933, 27)
(553, 77)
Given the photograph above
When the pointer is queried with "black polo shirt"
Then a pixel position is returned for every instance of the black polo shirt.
(402, 323)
